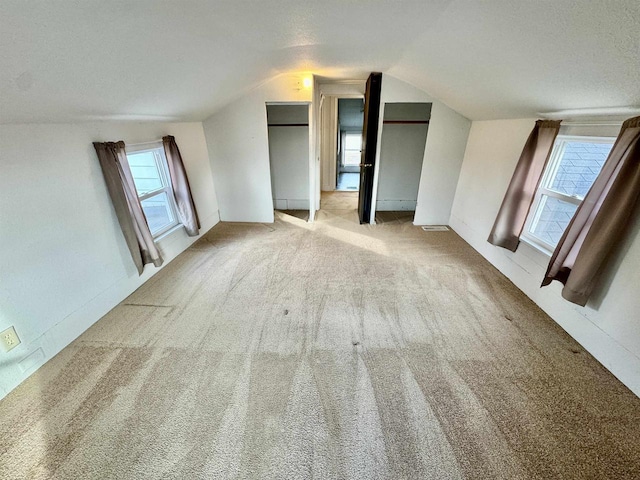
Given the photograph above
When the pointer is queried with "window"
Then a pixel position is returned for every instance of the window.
(352, 146)
(574, 164)
(153, 184)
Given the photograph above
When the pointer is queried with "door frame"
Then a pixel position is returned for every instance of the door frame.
(309, 104)
(370, 153)
(332, 173)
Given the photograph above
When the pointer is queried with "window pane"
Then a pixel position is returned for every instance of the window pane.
(579, 166)
(552, 217)
(144, 169)
(157, 211)
(353, 141)
(351, 158)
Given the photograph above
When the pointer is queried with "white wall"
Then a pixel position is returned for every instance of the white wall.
(342, 88)
(401, 158)
(239, 149)
(289, 155)
(401, 155)
(609, 326)
(443, 154)
(289, 158)
(64, 261)
(328, 141)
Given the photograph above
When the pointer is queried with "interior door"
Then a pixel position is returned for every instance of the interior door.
(369, 145)
(338, 152)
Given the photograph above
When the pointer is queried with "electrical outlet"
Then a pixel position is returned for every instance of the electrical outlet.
(9, 339)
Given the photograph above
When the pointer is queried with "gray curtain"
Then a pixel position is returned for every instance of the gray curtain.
(524, 183)
(181, 190)
(600, 220)
(113, 160)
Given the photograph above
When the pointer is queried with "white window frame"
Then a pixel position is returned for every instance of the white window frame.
(163, 168)
(544, 188)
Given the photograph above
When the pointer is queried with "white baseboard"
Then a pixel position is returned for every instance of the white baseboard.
(526, 268)
(25, 359)
(395, 205)
(291, 204)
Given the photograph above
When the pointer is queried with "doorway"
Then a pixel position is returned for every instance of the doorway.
(288, 135)
(348, 156)
(404, 134)
(372, 96)
(338, 150)
(341, 123)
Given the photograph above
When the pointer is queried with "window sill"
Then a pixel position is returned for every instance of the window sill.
(168, 233)
(535, 246)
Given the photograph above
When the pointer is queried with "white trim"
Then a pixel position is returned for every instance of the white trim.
(312, 156)
(533, 242)
(613, 123)
(328, 141)
(75, 323)
(584, 138)
(544, 190)
(574, 199)
(168, 232)
(143, 146)
(376, 166)
(162, 165)
(526, 273)
(293, 104)
(593, 112)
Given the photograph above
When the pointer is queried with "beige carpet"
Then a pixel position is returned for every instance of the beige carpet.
(332, 350)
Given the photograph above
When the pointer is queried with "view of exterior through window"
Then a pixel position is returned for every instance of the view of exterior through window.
(352, 146)
(151, 176)
(574, 164)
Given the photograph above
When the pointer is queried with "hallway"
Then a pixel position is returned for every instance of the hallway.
(348, 181)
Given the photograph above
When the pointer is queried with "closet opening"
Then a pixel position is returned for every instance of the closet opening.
(288, 135)
(404, 134)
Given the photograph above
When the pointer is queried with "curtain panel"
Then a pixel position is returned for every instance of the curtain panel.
(122, 189)
(517, 201)
(600, 221)
(180, 183)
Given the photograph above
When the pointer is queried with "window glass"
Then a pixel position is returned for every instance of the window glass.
(353, 141)
(553, 216)
(158, 212)
(574, 164)
(352, 146)
(579, 166)
(151, 177)
(144, 169)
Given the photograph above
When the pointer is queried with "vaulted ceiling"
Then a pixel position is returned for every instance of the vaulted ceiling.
(181, 60)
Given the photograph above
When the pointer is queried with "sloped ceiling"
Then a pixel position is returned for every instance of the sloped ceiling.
(181, 60)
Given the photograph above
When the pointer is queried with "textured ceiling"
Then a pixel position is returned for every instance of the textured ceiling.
(181, 60)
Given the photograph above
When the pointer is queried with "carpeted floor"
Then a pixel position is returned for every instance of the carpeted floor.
(330, 350)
